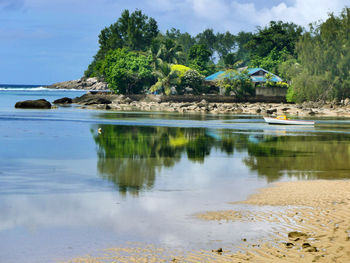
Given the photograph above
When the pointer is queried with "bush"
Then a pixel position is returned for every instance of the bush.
(193, 80)
(126, 71)
(236, 82)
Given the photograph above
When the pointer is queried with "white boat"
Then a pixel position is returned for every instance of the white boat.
(284, 121)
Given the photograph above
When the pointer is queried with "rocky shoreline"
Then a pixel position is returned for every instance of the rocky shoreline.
(194, 104)
(81, 84)
(203, 104)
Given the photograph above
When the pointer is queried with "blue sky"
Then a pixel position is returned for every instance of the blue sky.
(47, 41)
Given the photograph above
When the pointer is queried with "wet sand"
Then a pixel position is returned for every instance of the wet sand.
(312, 225)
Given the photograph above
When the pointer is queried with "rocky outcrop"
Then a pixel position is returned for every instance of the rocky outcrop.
(33, 104)
(64, 100)
(213, 105)
(91, 99)
(81, 84)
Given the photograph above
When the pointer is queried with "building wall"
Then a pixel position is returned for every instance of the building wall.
(269, 91)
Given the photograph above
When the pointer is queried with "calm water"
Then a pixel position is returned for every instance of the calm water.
(66, 190)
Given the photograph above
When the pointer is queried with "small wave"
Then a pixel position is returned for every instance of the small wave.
(35, 89)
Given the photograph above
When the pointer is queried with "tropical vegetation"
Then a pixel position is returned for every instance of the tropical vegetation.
(135, 57)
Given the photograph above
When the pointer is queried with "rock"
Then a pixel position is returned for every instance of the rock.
(64, 100)
(186, 105)
(219, 251)
(295, 235)
(271, 111)
(90, 99)
(33, 104)
(173, 91)
(188, 90)
(308, 248)
(346, 101)
(203, 103)
(127, 100)
(97, 101)
(83, 84)
(258, 110)
(305, 245)
(289, 245)
(312, 113)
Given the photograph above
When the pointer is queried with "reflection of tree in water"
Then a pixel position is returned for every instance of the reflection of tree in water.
(130, 156)
(306, 157)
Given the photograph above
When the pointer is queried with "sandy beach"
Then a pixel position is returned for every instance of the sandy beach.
(312, 226)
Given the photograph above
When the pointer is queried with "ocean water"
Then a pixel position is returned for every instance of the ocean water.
(68, 191)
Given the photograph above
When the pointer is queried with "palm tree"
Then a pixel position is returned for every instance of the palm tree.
(165, 79)
(170, 51)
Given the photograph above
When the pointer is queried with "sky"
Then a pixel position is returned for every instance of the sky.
(48, 41)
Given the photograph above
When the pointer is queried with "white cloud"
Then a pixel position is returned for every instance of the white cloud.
(235, 16)
(210, 9)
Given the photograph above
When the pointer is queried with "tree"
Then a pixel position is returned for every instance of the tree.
(238, 83)
(126, 71)
(207, 39)
(324, 56)
(193, 80)
(179, 77)
(243, 52)
(199, 59)
(272, 61)
(225, 44)
(169, 51)
(277, 36)
(166, 79)
(134, 31)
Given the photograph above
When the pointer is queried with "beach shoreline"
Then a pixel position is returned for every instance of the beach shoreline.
(211, 105)
(314, 226)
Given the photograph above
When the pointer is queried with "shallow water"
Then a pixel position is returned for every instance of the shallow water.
(66, 190)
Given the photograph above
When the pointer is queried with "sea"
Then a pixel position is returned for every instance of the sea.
(76, 181)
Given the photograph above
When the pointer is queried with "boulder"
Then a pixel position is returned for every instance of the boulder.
(271, 111)
(33, 104)
(97, 100)
(81, 84)
(346, 101)
(90, 99)
(64, 100)
(203, 103)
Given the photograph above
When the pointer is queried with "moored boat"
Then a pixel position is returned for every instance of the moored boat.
(284, 121)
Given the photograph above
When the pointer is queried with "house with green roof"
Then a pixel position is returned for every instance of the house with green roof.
(259, 77)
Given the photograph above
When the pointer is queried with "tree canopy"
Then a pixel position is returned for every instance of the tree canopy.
(134, 56)
(323, 67)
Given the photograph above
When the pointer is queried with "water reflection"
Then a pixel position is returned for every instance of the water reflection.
(304, 157)
(131, 156)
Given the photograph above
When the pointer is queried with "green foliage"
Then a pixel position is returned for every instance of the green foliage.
(178, 76)
(230, 60)
(277, 36)
(180, 69)
(238, 83)
(126, 71)
(199, 59)
(289, 68)
(290, 97)
(324, 55)
(243, 52)
(193, 80)
(133, 31)
(166, 79)
(270, 62)
(207, 39)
